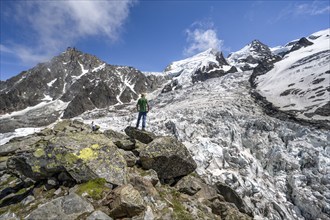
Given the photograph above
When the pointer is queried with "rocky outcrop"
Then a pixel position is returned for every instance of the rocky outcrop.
(303, 42)
(143, 136)
(126, 202)
(82, 155)
(67, 207)
(72, 172)
(168, 157)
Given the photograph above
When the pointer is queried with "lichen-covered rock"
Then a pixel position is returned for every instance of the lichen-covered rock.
(84, 156)
(18, 144)
(189, 185)
(168, 157)
(129, 157)
(126, 202)
(125, 144)
(66, 207)
(143, 136)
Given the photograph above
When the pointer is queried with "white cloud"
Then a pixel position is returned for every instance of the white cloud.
(313, 8)
(53, 25)
(200, 37)
(5, 49)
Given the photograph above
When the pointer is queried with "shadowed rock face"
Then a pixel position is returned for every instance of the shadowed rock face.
(168, 157)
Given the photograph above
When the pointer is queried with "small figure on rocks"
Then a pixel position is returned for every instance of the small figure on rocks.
(95, 127)
(142, 107)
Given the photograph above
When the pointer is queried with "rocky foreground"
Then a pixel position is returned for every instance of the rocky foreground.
(70, 172)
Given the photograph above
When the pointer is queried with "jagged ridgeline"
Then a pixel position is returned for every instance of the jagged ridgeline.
(71, 172)
(70, 84)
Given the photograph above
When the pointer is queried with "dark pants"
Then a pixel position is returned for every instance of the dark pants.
(144, 117)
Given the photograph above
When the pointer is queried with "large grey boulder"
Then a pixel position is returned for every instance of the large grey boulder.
(143, 136)
(126, 202)
(66, 207)
(189, 185)
(168, 157)
(83, 155)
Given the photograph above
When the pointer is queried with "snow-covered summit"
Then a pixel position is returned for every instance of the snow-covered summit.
(207, 64)
(248, 57)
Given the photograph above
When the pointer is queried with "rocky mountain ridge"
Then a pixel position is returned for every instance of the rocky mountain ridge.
(206, 65)
(298, 85)
(79, 82)
(249, 56)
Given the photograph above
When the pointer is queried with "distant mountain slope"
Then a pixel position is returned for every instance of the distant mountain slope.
(80, 80)
(203, 66)
(299, 84)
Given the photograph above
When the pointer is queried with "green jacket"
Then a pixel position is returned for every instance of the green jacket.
(142, 105)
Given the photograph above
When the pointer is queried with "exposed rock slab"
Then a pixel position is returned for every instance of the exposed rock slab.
(143, 136)
(67, 207)
(168, 157)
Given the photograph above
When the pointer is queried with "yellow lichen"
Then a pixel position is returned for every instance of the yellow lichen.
(39, 152)
(94, 188)
(87, 154)
(36, 168)
(96, 146)
(70, 158)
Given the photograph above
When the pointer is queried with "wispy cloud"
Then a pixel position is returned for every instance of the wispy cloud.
(313, 8)
(201, 36)
(53, 25)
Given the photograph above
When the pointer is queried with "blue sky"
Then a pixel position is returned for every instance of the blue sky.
(147, 35)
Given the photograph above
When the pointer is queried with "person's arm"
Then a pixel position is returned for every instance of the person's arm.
(137, 105)
(147, 106)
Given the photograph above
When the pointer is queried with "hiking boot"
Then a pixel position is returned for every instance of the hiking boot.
(143, 129)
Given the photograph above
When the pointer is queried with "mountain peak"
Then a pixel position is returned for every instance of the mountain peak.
(248, 57)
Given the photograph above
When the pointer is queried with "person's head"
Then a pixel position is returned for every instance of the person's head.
(143, 95)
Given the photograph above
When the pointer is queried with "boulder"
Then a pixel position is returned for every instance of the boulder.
(84, 156)
(231, 196)
(143, 136)
(151, 176)
(125, 144)
(168, 157)
(189, 185)
(114, 135)
(66, 207)
(129, 157)
(228, 211)
(126, 202)
(18, 144)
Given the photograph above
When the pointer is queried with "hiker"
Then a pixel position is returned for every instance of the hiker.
(142, 107)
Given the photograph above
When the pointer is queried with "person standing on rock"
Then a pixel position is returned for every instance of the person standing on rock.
(142, 107)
